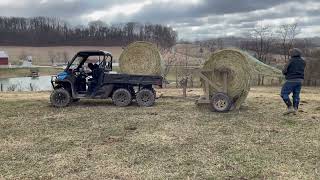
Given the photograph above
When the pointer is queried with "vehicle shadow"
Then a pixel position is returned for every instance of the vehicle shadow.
(98, 102)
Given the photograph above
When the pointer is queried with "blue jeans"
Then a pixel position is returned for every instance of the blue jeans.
(295, 89)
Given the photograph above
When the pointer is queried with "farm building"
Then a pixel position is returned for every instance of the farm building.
(4, 59)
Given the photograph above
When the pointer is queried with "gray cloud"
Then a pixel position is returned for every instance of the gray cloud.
(58, 8)
(196, 19)
(165, 12)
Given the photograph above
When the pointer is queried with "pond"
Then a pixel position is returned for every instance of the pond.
(41, 83)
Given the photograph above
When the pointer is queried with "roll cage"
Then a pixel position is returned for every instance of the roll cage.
(85, 54)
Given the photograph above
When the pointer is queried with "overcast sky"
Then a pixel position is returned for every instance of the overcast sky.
(193, 19)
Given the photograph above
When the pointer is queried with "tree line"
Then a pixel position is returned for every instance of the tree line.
(50, 31)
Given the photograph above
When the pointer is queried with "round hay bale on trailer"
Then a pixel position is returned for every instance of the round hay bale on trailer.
(142, 58)
(226, 78)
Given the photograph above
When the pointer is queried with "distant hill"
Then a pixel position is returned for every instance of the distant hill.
(315, 41)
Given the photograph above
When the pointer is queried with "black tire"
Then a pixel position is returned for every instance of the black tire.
(121, 97)
(145, 97)
(60, 98)
(220, 102)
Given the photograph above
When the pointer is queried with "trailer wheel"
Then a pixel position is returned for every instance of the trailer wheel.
(121, 97)
(60, 98)
(145, 97)
(220, 102)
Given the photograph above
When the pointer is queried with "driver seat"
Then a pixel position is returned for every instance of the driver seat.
(97, 80)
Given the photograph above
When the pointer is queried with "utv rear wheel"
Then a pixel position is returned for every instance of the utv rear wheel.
(121, 97)
(145, 97)
(60, 98)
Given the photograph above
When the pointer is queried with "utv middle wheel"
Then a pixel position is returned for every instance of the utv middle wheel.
(121, 97)
(145, 97)
(60, 98)
(220, 102)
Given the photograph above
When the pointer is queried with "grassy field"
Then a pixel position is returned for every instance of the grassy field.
(41, 55)
(172, 140)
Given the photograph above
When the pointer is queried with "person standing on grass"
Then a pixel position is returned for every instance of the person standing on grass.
(294, 74)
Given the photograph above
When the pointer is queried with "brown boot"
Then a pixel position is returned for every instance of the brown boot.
(289, 111)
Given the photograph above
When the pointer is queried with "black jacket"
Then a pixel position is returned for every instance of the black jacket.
(295, 68)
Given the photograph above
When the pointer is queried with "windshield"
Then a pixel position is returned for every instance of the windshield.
(76, 63)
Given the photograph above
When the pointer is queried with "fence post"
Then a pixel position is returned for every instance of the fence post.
(191, 81)
(184, 84)
(31, 87)
(177, 85)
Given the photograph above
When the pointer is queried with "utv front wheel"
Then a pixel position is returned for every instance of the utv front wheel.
(121, 97)
(60, 98)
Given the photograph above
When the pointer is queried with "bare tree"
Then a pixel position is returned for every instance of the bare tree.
(65, 56)
(220, 43)
(262, 41)
(210, 44)
(305, 45)
(170, 59)
(52, 57)
(312, 73)
(287, 34)
(49, 31)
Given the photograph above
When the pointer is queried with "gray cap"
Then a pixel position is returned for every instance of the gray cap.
(295, 52)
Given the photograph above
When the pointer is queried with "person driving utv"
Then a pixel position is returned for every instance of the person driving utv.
(92, 82)
(294, 74)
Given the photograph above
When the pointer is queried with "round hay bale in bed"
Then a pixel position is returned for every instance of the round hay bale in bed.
(239, 67)
(141, 58)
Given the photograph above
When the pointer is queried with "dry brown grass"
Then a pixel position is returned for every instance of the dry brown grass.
(172, 140)
(41, 54)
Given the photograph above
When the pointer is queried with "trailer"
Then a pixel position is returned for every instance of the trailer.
(220, 101)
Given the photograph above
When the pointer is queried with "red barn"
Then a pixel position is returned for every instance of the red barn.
(4, 59)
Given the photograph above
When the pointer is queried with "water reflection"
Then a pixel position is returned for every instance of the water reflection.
(41, 83)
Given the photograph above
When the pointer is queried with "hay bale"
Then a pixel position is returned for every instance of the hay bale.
(241, 67)
(141, 58)
(258, 67)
